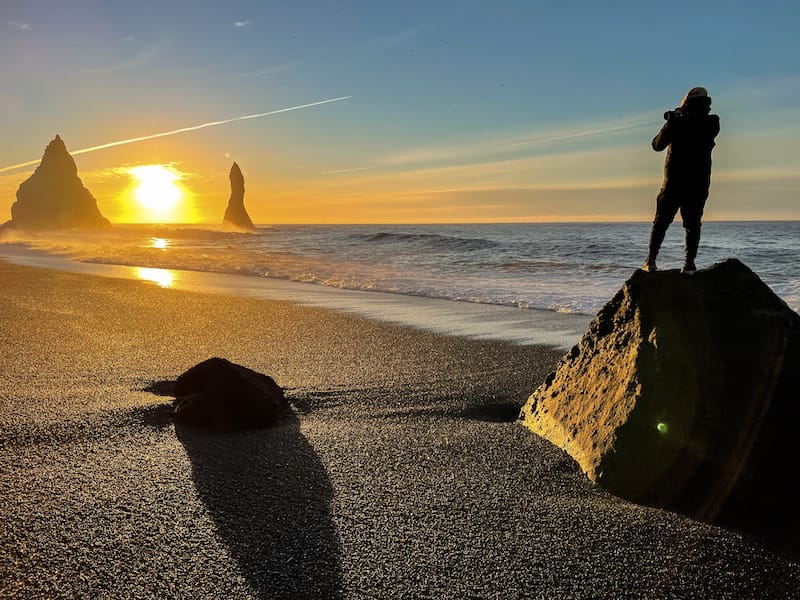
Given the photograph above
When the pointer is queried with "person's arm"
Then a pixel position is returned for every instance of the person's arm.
(664, 137)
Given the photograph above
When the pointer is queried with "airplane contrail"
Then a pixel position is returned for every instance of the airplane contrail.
(181, 130)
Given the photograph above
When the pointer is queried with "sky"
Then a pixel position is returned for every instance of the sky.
(451, 111)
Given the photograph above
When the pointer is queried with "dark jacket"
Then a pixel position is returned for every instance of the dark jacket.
(690, 138)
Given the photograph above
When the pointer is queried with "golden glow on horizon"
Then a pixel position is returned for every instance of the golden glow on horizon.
(161, 277)
(586, 186)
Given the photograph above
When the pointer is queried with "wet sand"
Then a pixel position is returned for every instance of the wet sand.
(402, 473)
(473, 320)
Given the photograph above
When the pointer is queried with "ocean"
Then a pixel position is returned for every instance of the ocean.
(564, 268)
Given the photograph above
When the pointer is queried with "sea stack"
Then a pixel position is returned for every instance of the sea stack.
(685, 394)
(235, 213)
(54, 196)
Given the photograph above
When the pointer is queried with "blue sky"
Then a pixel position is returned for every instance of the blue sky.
(459, 110)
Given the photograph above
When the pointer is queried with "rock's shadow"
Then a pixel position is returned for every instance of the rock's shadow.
(269, 496)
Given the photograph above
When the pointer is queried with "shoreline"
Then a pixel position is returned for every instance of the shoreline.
(448, 317)
(401, 474)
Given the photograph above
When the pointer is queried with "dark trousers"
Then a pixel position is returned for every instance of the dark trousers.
(668, 203)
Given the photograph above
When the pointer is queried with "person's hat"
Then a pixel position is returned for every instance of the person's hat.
(695, 94)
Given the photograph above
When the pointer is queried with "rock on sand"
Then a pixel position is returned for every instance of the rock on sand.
(684, 393)
(219, 394)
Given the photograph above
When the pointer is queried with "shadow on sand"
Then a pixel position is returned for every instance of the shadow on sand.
(269, 496)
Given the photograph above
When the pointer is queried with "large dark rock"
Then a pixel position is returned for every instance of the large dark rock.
(685, 393)
(219, 394)
(235, 213)
(54, 196)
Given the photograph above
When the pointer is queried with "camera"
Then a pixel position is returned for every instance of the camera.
(673, 114)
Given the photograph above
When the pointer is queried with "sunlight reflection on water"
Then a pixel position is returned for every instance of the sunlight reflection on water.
(160, 243)
(161, 277)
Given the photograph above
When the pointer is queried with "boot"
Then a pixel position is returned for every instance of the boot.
(692, 242)
(656, 237)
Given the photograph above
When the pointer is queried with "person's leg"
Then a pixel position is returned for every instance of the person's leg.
(692, 214)
(692, 242)
(666, 208)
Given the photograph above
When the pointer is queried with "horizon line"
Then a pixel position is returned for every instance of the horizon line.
(573, 221)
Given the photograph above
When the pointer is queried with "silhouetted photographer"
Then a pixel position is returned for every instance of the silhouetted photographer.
(688, 134)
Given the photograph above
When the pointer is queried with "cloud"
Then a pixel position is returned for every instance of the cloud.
(497, 145)
(273, 70)
(240, 24)
(771, 110)
(604, 182)
(763, 175)
(350, 170)
(20, 26)
(628, 167)
(129, 38)
(757, 93)
(625, 166)
(277, 69)
(412, 156)
(580, 134)
(136, 170)
(145, 56)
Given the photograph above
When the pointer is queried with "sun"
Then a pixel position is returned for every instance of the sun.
(156, 193)
(156, 190)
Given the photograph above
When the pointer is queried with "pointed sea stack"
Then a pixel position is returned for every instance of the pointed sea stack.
(235, 213)
(685, 394)
(54, 196)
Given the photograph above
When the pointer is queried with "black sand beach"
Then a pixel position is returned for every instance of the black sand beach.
(402, 473)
